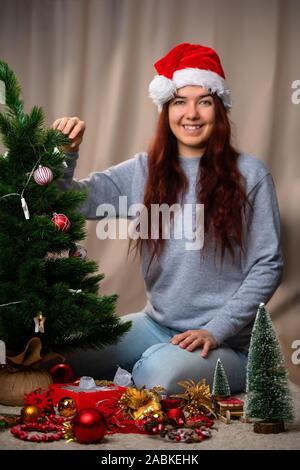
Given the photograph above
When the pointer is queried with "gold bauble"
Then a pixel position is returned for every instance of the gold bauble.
(30, 413)
(67, 407)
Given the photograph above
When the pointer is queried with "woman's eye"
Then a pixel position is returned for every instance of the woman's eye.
(178, 102)
(205, 102)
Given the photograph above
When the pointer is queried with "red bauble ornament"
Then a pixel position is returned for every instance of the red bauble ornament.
(43, 175)
(61, 222)
(62, 373)
(89, 426)
(175, 413)
(168, 403)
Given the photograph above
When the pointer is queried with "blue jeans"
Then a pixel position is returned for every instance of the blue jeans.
(147, 353)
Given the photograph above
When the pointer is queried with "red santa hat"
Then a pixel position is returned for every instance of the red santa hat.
(185, 65)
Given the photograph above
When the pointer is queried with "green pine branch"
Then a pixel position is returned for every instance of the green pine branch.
(36, 268)
(12, 91)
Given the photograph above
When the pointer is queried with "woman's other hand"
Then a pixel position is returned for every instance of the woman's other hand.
(74, 128)
(194, 339)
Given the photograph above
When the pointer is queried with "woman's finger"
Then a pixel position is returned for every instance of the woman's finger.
(77, 130)
(195, 344)
(69, 126)
(63, 122)
(206, 348)
(187, 341)
(177, 338)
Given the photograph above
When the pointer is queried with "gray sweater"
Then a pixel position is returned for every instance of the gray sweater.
(186, 290)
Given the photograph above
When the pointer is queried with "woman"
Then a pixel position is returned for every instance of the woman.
(201, 302)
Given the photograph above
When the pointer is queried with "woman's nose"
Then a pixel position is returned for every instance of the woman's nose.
(192, 111)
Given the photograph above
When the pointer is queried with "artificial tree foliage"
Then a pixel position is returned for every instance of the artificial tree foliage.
(221, 386)
(37, 272)
(268, 396)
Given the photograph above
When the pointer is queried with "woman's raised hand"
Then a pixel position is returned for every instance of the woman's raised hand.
(74, 128)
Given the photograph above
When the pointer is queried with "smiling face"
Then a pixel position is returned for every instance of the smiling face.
(191, 119)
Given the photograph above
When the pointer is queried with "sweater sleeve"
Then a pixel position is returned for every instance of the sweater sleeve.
(263, 264)
(101, 187)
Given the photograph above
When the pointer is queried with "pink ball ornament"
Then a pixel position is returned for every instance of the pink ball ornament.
(43, 175)
(61, 222)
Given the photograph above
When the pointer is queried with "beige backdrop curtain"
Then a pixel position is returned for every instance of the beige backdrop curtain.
(94, 59)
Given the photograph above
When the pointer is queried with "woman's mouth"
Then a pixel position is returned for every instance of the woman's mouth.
(192, 129)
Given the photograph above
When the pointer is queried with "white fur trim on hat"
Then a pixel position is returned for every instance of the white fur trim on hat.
(162, 89)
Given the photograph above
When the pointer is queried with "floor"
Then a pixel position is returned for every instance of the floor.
(236, 435)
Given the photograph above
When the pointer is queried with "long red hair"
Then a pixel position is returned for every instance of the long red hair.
(220, 185)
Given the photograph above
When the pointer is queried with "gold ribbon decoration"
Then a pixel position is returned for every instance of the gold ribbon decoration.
(138, 404)
(68, 431)
(196, 397)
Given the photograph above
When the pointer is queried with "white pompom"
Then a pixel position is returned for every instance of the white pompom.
(161, 89)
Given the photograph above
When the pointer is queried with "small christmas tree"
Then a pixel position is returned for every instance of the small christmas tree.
(220, 385)
(268, 397)
(47, 287)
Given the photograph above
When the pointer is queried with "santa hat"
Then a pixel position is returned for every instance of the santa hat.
(188, 64)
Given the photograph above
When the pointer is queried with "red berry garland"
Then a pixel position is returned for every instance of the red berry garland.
(52, 432)
(52, 428)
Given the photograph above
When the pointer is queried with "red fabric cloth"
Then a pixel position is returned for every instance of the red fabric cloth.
(231, 401)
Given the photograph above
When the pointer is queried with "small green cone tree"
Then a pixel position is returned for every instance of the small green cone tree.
(38, 280)
(268, 396)
(221, 386)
